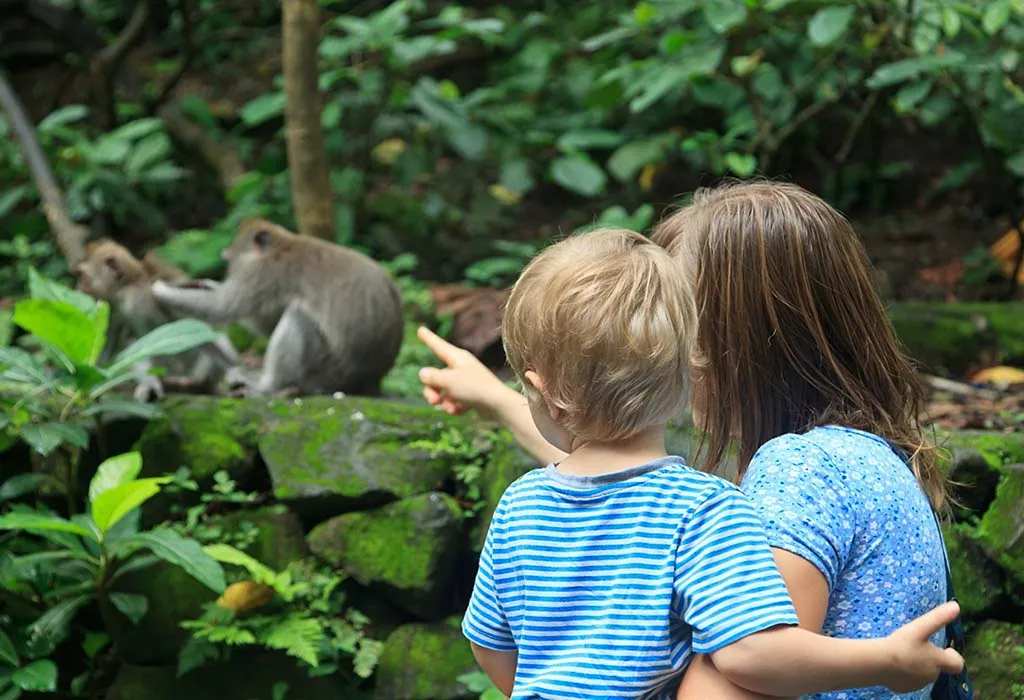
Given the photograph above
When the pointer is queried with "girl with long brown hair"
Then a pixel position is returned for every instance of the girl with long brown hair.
(796, 363)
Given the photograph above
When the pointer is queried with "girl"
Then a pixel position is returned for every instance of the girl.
(795, 360)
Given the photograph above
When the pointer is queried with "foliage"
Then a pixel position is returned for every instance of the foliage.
(195, 521)
(63, 565)
(50, 397)
(302, 612)
(478, 682)
(470, 458)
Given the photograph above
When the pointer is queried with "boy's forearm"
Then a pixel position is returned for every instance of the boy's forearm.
(512, 411)
(500, 666)
(789, 661)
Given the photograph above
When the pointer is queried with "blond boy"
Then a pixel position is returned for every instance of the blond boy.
(603, 574)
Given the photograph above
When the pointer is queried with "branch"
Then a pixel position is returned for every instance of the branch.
(70, 237)
(106, 64)
(187, 54)
(219, 155)
(855, 127)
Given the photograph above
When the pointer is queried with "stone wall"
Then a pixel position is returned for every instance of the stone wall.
(355, 483)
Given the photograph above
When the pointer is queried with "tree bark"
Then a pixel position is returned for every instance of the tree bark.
(307, 162)
(70, 236)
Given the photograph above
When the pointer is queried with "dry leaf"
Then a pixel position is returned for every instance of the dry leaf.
(245, 595)
(1005, 251)
(999, 375)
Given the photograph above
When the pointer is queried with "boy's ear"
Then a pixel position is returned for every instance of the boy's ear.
(535, 380)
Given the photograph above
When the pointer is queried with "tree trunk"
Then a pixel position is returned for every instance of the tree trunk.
(307, 163)
(70, 237)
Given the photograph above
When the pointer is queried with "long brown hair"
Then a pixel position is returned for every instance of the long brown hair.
(791, 333)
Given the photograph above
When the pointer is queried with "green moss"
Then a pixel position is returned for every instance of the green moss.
(977, 582)
(424, 662)
(997, 449)
(506, 463)
(1002, 527)
(995, 660)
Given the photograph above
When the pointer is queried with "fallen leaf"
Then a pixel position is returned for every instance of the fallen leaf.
(999, 375)
(245, 595)
(942, 276)
(1005, 251)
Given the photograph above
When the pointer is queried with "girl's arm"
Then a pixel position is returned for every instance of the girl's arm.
(466, 383)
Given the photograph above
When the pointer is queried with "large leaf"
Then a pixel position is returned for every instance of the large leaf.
(65, 327)
(723, 15)
(910, 68)
(40, 287)
(115, 471)
(125, 407)
(226, 554)
(22, 484)
(116, 502)
(64, 115)
(579, 174)
(829, 23)
(263, 108)
(132, 605)
(8, 653)
(188, 554)
(996, 15)
(46, 437)
(21, 366)
(627, 160)
(39, 522)
(147, 152)
(52, 627)
(169, 339)
(38, 676)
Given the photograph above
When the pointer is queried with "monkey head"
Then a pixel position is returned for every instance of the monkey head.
(255, 238)
(106, 269)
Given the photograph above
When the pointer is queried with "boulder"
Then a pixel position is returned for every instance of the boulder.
(977, 581)
(1002, 527)
(507, 462)
(424, 662)
(407, 550)
(995, 661)
(278, 537)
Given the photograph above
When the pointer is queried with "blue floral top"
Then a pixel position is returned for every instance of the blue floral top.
(845, 502)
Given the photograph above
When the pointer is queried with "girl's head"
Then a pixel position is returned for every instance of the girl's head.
(791, 333)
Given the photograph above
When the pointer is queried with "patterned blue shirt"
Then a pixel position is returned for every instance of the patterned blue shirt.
(607, 585)
(845, 502)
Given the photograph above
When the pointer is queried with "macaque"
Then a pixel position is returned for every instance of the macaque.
(109, 272)
(333, 315)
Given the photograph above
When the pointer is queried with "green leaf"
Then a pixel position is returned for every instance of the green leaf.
(263, 109)
(38, 676)
(115, 471)
(516, 176)
(470, 141)
(40, 287)
(147, 152)
(1015, 164)
(39, 522)
(11, 198)
(109, 150)
(911, 95)
(116, 502)
(64, 326)
(628, 160)
(62, 116)
(125, 407)
(910, 68)
(132, 605)
(22, 484)
(662, 81)
(996, 15)
(185, 553)
(53, 626)
(21, 366)
(11, 693)
(296, 636)
(226, 554)
(587, 139)
(8, 653)
(169, 339)
(741, 164)
(138, 128)
(950, 22)
(44, 438)
(579, 174)
(830, 23)
(723, 15)
(94, 643)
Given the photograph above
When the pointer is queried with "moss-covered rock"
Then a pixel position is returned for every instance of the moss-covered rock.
(247, 675)
(506, 463)
(977, 581)
(1002, 528)
(279, 538)
(995, 661)
(424, 662)
(406, 550)
(950, 338)
(173, 597)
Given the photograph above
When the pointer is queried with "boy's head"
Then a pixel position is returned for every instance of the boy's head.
(598, 330)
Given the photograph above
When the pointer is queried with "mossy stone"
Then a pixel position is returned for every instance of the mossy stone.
(173, 597)
(977, 581)
(995, 660)
(1002, 528)
(280, 539)
(424, 662)
(506, 463)
(406, 549)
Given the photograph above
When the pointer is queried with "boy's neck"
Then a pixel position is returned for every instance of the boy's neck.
(594, 458)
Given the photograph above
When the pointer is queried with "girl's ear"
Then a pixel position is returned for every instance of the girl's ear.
(535, 380)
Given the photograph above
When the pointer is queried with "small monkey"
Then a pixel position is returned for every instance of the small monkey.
(109, 272)
(334, 316)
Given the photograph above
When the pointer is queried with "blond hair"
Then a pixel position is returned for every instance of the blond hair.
(791, 332)
(605, 318)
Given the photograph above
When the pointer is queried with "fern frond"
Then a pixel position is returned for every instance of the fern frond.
(297, 636)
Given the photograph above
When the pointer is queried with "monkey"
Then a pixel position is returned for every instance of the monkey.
(333, 315)
(109, 272)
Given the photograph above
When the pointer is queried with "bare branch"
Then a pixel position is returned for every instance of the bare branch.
(70, 237)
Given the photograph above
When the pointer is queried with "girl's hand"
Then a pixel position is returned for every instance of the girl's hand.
(464, 384)
(917, 662)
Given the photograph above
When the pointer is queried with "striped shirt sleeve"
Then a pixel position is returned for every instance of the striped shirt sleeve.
(485, 623)
(726, 578)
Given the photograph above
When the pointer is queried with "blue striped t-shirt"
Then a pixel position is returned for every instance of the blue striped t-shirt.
(607, 585)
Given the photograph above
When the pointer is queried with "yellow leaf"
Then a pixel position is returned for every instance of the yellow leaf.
(1005, 251)
(245, 595)
(647, 175)
(999, 375)
(504, 194)
(388, 151)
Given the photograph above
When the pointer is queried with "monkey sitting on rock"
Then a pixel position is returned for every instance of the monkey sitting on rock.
(109, 272)
(333, 315)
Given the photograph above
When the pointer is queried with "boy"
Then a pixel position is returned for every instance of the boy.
(602, 575)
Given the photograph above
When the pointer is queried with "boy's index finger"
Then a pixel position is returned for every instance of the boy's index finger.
(438, 345)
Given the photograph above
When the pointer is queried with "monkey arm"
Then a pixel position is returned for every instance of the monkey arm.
(213, 303)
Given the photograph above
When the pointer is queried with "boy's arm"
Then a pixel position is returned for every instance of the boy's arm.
(702, 680)
(500, 666)
(792, 661)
